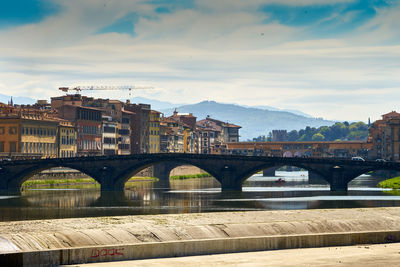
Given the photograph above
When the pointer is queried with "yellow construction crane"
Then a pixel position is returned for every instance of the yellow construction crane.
(105, 88)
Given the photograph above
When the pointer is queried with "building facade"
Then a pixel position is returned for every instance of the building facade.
(67, 139)
(140, 127)
(110, 131)
(28, 134)
(125, 132)
(337, 149)
(154, 131)
(384, 135)
(88, 123)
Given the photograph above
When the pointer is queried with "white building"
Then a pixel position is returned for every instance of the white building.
(109, 136)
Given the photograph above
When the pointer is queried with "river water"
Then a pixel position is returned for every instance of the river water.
(193, 195)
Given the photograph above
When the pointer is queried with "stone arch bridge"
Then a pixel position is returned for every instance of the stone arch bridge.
(111, 172)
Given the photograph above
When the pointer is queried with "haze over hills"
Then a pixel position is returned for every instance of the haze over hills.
(254, 121)
(161, 105)
(156, 104)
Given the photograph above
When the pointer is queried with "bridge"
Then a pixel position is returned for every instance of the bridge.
(112, 172)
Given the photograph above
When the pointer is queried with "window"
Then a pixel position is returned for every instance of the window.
(108, 129)
(1, 130)
(2, 146)
(12, 130)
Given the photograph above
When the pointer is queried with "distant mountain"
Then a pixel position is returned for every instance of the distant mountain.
(294, 111)
(155, 104)
(254, 121)
(164, 105)
(17, 99)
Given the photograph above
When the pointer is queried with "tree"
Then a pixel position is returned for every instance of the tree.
(318, 137)
(293, 136)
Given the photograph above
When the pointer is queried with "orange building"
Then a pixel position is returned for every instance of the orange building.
(27, 133)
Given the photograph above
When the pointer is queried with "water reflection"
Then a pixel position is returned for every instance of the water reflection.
(192, 195)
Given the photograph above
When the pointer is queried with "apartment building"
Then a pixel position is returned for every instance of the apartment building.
(29, 133)
(384, 135)
(154, 131)
(140, 127)
(171, 136)
(109, 138)
(67, 139)
(125, 132)
(88, 124)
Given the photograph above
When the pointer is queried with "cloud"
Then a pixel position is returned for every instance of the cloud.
(210, 50)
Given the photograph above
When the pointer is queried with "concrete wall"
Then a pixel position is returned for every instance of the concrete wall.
(192, 247)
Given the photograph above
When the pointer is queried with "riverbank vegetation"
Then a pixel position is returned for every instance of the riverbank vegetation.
(79, 181)
(189, 176)
(91, 181)
(393, 183)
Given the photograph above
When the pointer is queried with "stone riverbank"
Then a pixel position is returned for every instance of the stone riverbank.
(81, 240)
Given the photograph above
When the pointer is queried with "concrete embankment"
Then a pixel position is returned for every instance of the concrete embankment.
(69, 241)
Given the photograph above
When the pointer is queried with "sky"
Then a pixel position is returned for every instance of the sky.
(336, 59)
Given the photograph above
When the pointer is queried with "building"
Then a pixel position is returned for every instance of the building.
(206, 137)
(88, 124)
(188, 122)
(228, 132)
(67, 139)
(28, 133)
(140, 127)
(279, 135)
(186, 118)
(124, 132)
(154, 131)
(384, 135)
(171, 136)
(72, 100)
(189, 139)
(110, 131)
(338, 149)
(213, 133)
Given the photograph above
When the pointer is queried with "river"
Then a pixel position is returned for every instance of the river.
(193, 195)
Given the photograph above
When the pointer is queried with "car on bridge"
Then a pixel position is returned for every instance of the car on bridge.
(357, 158)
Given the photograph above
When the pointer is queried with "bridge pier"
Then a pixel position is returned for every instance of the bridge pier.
(229, 180)
(338, 182)
(110, 185)
(162, 171)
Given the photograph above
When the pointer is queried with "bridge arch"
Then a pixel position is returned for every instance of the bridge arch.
(15, 183)
(278, 165)
(162, 170)
(355, 175)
